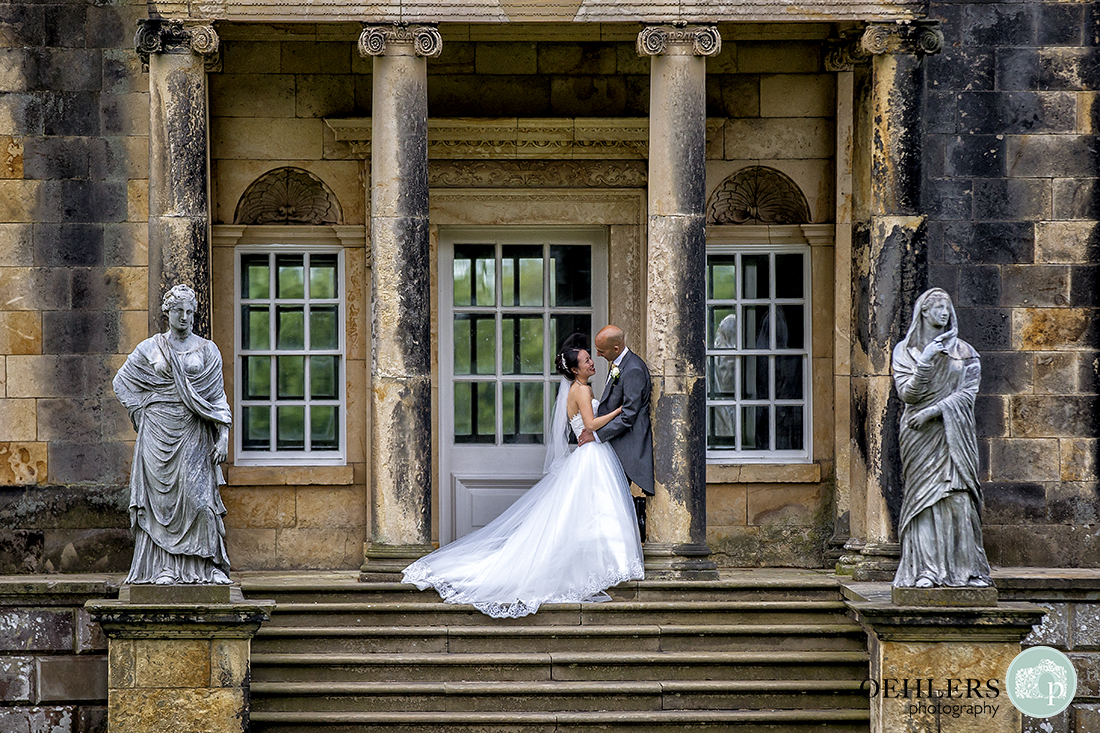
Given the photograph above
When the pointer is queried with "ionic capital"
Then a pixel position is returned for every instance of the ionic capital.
(172, 36)
(923, 38)
(380, 40)
(655, 40)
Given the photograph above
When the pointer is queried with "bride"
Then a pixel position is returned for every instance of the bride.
(572, 535)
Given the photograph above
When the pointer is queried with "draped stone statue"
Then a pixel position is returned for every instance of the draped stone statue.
(172, 386)
(937, 375)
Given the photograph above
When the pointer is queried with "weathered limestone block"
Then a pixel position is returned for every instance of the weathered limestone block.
(16, 679)
(22, 464)
(1054, 329)
(942, 644)
(1070, 416)
(36, 629)
(183, 665)
(71, 679)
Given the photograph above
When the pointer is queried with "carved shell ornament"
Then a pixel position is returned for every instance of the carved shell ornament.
(758, 195)
(288, 196)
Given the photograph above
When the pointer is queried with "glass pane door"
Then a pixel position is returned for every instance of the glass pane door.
(509, 298)
(513, 305)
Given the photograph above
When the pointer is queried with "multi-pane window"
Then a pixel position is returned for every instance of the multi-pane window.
(289, 380)
(758, 353)
(513, 305)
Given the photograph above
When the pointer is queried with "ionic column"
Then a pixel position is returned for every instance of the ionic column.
(179, 180)
(677, 521)
(401, 398)
(889, 272)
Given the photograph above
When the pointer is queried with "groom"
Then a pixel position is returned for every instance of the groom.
(628, 385)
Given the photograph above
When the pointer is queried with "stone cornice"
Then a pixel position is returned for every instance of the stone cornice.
(424, 39)
(922, 38)
(655, 40)
(155, 35)
(514, 12)
(617, 138)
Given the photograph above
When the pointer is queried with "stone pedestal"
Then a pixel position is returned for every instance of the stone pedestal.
(401, 396)
(937, 668)
(175, 664)
(889, 272)
(677, 524)
(179, 168)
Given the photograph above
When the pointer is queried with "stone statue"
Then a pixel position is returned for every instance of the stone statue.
(937, 374)
(172, 386)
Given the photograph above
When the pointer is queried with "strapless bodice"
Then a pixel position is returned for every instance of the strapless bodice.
(577, 421)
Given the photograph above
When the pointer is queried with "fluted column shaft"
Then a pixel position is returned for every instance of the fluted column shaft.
(401, 398)
(179, 178)
(677, 523)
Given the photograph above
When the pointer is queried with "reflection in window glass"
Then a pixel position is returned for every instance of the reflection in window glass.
(571, 276)
(322, 277)
(290, 280)
(754, 277)
(522, 412)
(256, 274)
(504, 347)
(291, 427)
(722, 277)
(757, 353)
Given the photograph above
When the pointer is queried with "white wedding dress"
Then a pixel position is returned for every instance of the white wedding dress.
(569, 537)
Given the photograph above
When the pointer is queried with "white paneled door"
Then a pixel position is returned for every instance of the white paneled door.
(508, 297)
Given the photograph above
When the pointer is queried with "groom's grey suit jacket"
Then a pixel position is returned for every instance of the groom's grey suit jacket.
(629, 433)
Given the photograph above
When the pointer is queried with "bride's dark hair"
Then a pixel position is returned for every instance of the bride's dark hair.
(567, 361)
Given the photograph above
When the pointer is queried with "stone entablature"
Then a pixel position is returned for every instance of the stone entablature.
(546, 11)
(593, 138)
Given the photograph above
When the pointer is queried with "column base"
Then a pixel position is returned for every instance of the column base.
(878, 561)
(834, 548)
(678, 562)
(384, 563)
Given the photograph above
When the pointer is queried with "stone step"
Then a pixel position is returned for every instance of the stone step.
(558, 696)
(563, 614)
(748, 588)
(473, 639)
(559, 666)
(741, 721)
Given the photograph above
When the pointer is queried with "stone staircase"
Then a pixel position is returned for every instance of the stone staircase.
(754, 651)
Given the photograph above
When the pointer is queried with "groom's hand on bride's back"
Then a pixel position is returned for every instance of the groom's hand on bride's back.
(584, 437)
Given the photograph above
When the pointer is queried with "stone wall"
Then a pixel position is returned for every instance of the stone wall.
(1072, 625)
(73, 286)
(53, 657)
(1012, 159)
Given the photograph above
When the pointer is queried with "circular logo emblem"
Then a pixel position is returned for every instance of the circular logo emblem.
(1041, 682)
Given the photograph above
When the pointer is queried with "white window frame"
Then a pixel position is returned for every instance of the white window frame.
(274, 456)
(735, 454)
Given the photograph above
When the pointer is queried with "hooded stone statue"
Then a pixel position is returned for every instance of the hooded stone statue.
(937, 375)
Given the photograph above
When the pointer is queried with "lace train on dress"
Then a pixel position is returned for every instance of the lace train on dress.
(572, 535)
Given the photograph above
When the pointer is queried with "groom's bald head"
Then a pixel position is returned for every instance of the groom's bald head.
(609, 342)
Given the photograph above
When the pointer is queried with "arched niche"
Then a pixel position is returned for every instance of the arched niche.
(758, 195)
(288, 195)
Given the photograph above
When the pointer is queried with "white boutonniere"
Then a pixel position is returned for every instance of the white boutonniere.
(615, 372)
